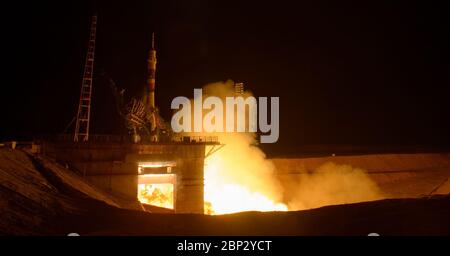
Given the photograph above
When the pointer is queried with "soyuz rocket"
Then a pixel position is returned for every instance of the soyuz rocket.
(151, 87)
(152, 75)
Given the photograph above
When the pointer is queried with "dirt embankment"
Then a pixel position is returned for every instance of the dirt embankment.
(397, 175)
(38, 197)
(35, 190)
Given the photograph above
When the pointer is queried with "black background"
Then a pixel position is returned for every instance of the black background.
(346, 72)
(280, 245)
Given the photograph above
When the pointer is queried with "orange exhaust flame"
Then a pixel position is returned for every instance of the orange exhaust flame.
(156, 194)
(235, 185)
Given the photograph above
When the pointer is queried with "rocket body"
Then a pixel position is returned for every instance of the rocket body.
(151, 81)
(151, 78)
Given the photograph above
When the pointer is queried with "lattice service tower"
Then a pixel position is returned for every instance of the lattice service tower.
(84, 107)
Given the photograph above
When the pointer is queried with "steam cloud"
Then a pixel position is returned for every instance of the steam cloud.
(238, 177)
(331, 184)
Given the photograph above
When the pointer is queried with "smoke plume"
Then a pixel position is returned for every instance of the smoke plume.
(239, 177)
(331, 184)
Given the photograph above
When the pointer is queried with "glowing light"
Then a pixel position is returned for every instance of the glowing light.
(234, 198)
(157, 189)
(156, 194)
(225, 195)
(157, 164)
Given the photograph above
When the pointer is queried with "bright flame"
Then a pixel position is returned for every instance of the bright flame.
(156, 194)
(156, 164)
(232, 198)
(233, 185)
(238, 177)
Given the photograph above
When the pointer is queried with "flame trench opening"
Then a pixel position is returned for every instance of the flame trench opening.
(157, 189)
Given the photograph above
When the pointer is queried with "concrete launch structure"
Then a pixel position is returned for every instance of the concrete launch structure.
(115, 165)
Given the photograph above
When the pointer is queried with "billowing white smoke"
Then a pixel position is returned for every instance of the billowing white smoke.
(238, 177)
(331, 184)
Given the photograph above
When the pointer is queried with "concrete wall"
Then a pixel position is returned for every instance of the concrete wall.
(114, 167)
(397, 175)
(189, 186)
(124, 186)
(371, 163)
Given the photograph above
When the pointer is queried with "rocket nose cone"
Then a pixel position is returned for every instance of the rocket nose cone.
(153, 40)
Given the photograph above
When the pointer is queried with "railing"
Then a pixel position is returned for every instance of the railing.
(104, 138)
(92, 138)
(196, 139)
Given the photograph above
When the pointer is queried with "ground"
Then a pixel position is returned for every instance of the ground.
(41, 197)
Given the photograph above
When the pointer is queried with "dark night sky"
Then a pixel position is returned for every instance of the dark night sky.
(346, 72)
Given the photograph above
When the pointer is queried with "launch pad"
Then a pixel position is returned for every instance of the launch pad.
(116, 165)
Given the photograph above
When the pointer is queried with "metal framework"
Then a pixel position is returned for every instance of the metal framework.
(239, 89)
(84, 107)
(214, 149)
